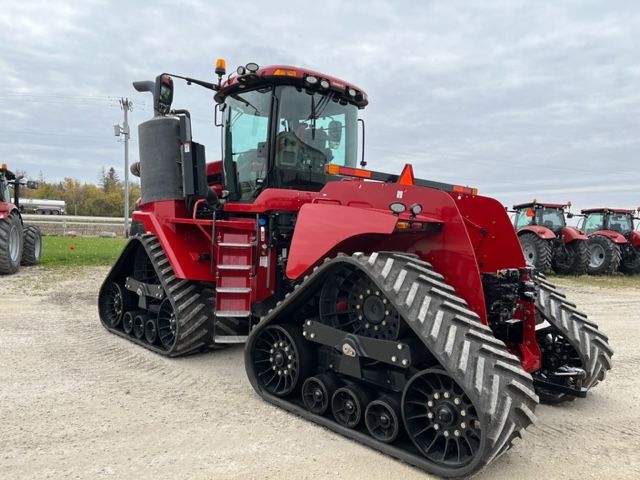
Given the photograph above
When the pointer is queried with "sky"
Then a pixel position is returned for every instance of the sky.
(521, 99)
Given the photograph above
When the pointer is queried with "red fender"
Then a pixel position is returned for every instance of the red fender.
(542, 232)
(634, 238)
(617, 237)
(367, 225)
(570, 234)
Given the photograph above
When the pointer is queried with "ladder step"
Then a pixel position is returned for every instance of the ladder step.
(232, 290)
(226, 244)
(231, 338)
(233, 313)
(234, 267)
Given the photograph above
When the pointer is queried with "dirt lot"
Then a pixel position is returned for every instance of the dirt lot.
(78, 402)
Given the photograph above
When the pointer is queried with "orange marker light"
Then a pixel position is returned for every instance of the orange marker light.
(285, 71)
(332, 169)
(4, 165)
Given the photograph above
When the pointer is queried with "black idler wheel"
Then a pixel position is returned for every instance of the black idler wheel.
(351, 302)
(281, 359)
(441, 419)
(348, 405)
(116, 302)
(382, 418)
(556, 351)
(167, 325)
(317, 392)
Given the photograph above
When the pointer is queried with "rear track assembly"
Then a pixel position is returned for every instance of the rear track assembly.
(438, 391)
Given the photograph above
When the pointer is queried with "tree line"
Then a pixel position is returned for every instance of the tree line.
(106, 199)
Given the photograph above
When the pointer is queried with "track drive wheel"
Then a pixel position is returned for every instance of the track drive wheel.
(351, 302)
(537, 251)
(441, 419)
(10, 244)
(32, 244)
(604, 257)
(281, 359)
(317, 392)
(116, 302)
(573, 260)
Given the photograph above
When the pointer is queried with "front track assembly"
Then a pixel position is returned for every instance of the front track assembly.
(569, 342)
(380, 349)
(143, 301)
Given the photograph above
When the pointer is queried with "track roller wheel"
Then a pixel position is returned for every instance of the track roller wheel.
(556, 351)
(382, 418)
(150, 331)
(348, 405)
(441, 419)
(127, 321)
(317, 392)
(281, 359)
(166, 324)
(117, 301)
(139, 322)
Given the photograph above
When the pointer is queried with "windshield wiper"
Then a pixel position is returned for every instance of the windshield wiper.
(246, 102)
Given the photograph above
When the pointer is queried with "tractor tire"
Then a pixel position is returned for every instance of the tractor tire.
(576, 259)
(604, 255)
(537, 251)
(10, 244)
(31, 245)
(630, 263)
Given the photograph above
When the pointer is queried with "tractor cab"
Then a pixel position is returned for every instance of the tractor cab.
(549, 215)
(616, 220)
(282, 126)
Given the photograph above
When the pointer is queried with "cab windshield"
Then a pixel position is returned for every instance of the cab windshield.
(552, 218)
(620, 222)
(309, 131)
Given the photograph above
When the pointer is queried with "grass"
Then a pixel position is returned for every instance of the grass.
(80, 251)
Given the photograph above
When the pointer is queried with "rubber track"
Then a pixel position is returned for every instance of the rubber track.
(591, 343)
(500, 389)
(193, 303)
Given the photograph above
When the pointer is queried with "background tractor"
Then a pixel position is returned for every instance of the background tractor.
(547, 241)
(613, 242)
(396, 311)
(19, 243)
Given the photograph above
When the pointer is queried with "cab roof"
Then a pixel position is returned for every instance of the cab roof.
(538, 204)
(606, 209)
(290, 75)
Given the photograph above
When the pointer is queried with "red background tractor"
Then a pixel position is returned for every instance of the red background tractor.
(547, 241)
(613, 242)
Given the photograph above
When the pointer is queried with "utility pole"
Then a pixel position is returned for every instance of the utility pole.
(126, 105)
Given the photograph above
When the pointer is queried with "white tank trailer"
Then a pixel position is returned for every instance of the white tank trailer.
(42, 207)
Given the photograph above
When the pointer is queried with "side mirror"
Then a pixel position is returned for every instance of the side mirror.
(335, 134)
(163, 94)
(162, 91)
(569, 215)
(32, 185)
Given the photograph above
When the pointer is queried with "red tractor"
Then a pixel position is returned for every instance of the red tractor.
(19, 244)
(547, 241)
(396, 311)
(613, 242)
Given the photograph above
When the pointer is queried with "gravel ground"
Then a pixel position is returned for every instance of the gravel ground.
(79, 402)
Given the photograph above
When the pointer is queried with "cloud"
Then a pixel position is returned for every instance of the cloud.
(505, 95)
